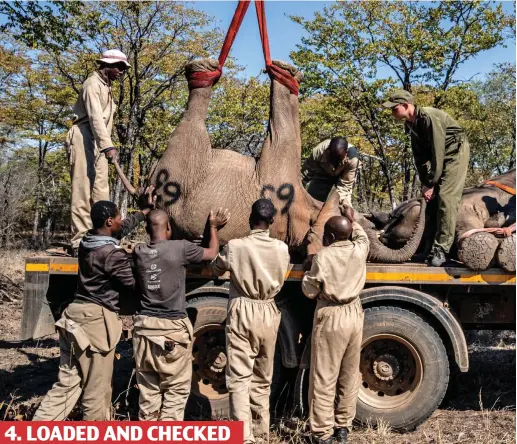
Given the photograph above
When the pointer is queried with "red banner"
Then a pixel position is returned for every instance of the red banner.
(191, 432)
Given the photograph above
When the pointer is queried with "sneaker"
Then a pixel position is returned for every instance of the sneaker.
(341, 435)
(438, 258)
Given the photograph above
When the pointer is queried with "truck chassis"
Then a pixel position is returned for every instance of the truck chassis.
(413, 337)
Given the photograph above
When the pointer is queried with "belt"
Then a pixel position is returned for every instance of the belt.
(258, 301)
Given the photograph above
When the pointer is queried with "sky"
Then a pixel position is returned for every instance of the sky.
(284, 35)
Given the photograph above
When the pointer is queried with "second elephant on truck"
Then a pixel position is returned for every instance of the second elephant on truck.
(486, 206)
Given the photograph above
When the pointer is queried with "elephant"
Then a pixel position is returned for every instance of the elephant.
(191, 178)
(484, 206)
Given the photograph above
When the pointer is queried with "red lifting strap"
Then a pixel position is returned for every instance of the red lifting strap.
(205, 79)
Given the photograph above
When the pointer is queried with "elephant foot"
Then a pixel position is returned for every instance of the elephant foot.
(477, 251)
(298, 75)
(201, 65)
(505, 255)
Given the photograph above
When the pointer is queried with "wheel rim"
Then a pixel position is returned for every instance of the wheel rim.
(209, 362)
(391, 370)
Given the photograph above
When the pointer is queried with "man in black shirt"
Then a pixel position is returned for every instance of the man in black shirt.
(162, 334)
(90, 328)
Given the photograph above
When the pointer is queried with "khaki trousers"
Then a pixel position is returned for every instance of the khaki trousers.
(334, 377)
(163, 376)
(80, 372)
(251, 331)
(89, 175)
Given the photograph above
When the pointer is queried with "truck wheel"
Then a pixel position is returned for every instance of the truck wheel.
(208, 393)
(404, 369)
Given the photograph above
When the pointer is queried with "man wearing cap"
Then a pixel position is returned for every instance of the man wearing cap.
(441, 152)
(88, 142)
(333, 163)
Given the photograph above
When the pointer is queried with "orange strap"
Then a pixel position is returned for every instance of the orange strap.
(205, 79)
(500, 186)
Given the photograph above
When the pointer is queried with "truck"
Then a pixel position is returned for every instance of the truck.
(414, 331)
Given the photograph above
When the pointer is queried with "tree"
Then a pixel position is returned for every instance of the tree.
(358, 51)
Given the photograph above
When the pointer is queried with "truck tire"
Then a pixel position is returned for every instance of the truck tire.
(404, 369)
(208, 393)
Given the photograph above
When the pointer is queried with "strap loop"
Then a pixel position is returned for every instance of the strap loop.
(209, 78)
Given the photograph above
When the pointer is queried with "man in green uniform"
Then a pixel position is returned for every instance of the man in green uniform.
(333, 163)
(441, 151)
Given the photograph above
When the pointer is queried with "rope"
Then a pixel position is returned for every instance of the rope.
(203, 79)
(500, 232)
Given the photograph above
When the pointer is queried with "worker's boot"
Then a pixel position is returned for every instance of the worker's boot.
(341, 435)
(438, 258)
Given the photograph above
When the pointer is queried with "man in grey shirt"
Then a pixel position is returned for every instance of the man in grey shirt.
(162, 334)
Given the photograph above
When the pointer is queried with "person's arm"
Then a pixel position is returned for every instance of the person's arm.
(312, 280)
(308, 170)
(360, 239)
(146, 203)
(216, 222)
(221, 264)
(312, 166)
(118, 268)
(92, 103)
(345, 183)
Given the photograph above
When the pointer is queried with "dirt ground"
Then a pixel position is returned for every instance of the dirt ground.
(478, 409)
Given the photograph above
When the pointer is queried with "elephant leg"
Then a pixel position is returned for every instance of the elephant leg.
(505, 255)
(315, 235)
(477, 251)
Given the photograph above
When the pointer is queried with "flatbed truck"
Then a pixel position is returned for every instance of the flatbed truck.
(413, 338)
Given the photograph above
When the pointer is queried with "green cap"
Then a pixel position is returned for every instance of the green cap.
(398, 97)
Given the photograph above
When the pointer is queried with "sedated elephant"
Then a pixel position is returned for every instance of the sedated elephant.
(191, 178)
(482, 206)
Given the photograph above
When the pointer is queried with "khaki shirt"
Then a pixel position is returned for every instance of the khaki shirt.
(257, 264)
(338, 272)
(317, 166)
(95, 107)
(434, 135)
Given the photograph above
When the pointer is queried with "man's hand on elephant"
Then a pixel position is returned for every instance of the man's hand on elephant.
(347, 211)
(220, 219)
(146, 200)
(110, 153)
(428, 193)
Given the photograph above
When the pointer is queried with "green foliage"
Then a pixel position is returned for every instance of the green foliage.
(39, 25)
(356, 52)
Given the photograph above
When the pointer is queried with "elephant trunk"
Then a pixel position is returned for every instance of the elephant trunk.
(381, 253)
(123, 178)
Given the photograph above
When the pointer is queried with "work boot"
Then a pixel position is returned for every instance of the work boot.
(438, 258)
(341, 435)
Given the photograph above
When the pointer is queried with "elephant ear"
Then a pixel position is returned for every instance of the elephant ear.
(381, 253)
(379, 219)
